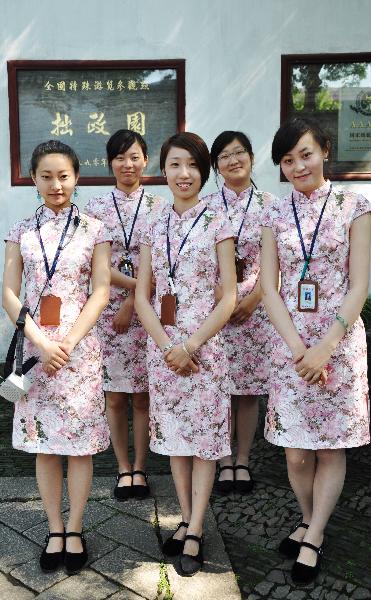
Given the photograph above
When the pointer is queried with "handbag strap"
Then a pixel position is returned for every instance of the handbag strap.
(16, 348)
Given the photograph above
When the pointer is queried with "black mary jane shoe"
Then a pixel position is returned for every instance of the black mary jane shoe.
(189, 564)
(291, 548)
(124, 492)
(241, 486)
(171, 546)
(226, 486)
(302, 574)
(75, 561)
(140, 491)
(50, 561)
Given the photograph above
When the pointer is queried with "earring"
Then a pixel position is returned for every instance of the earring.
(75, 193)
(325, 160)
(38, 196)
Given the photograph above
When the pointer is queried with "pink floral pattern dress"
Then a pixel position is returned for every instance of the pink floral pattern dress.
(335, 415)
(124, 354)
(248, 344)
(63, 414)
(189, 416)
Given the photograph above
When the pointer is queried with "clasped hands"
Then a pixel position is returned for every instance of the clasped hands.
(310, 363)
(179, 361)
(55, 355)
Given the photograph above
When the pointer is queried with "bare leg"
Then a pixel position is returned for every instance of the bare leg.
(327, 487)
(227, 461)
(117, 417)
(141, 434)
(202, 482)
(49, 474)
(181, 469)
(79, 478)
(301, 468)
(246, 423)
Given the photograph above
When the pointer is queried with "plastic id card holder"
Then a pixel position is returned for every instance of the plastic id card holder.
(307, 296)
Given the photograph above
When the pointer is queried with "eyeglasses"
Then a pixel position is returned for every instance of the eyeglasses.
(238, 154)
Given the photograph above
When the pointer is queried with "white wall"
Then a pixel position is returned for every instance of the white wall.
(232, 49)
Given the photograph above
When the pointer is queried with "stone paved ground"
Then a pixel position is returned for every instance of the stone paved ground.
(126, 562)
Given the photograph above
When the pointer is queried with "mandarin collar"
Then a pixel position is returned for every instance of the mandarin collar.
(232, 197)
(120, 195)
(47, 214)
(315, 195)
(191, 213)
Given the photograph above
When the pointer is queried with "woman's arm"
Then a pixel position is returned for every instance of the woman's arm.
(317, 356)
(121, 280)
(274, 305)
(12, 279)
(100, 279)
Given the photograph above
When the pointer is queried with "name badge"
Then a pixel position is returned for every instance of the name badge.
(168, 309)
(307, 295)
(50, 311)
(126, 267)
(240, 265)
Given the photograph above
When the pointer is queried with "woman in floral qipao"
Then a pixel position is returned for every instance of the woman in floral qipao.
(63, 413)
(186, 250)
(318, 397)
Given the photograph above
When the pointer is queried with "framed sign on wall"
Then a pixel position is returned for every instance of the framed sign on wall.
(334, 89)
(82, 103)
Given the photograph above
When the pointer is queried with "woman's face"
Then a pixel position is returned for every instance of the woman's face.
(234, 164)
(55, 179)
(128, 167)
(182, 173)
(303, 165)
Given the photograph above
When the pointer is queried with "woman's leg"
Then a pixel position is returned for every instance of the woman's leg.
(49, 475)
(327, 487)
(301, 469)
(181, 469)
(203, 473)
(141, 434)
(246, 424)
(79, 478)
(117, 417)
(227, 461)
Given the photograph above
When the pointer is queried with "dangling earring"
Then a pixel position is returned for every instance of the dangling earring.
(38, 196)
(75, 193)
(325, 160)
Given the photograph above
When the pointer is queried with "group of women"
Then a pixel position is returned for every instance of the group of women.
(201, 306)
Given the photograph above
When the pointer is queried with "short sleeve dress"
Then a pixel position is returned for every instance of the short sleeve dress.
(63, 414)
(335, 415)
(124, 355)
(189, 416)
(248, 344)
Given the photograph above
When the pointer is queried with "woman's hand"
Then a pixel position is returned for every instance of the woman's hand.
(312, 365)
(244, 310)
(122, 319)
(180, 362)
(53, 356)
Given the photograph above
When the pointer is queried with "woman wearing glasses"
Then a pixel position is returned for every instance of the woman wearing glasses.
(247, 332)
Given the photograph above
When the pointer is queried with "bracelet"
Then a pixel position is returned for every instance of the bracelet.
(344, 323)
(184, 347)
(167, 347)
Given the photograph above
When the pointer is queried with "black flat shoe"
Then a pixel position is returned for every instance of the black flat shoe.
(124, 492)
(302, 574)
(289, 547)
(140, 491)
(50, 561)
(241, 486)
(224, 487)
(74, 561)
(172, 547)
(189, 564)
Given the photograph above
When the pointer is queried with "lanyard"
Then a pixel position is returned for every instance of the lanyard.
(128, 239)
(50, 271)
(307, 257)
(244, 213)
(172, 268)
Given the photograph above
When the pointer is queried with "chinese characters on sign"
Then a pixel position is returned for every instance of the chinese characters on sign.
(354, 126)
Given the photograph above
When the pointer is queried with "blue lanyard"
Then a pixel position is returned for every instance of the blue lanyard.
(307, 257)
(50, 271)
(128, 239)
(244, 213)
(172, 268)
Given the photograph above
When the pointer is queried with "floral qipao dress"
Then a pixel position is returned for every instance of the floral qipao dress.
(62, 414)
(248, 344)
(189, 416)
(124, 355)
(335, 415)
